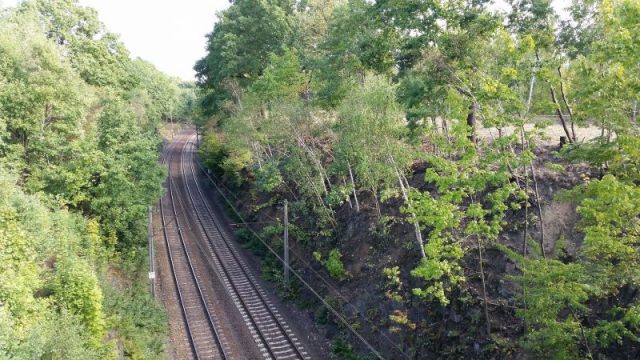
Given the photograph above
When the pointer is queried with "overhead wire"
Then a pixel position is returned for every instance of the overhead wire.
(307, 265)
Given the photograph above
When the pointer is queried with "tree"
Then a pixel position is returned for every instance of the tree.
(129, 178)
(370, 131)
(239, 48)
(98, 56)
(40, 102)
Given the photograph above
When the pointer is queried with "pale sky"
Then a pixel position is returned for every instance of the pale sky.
(168, 33)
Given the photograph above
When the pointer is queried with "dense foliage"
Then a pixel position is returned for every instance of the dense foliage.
(79, 167)
(331, 103)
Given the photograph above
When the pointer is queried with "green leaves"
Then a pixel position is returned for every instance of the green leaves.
(129, 178)
(342, 109)
(44, 269)
(78, 131)
(334, 265)
(240, 45)
(76, 288)
(370, 131)
(610, 213)
(282, 79)
(610, 220)
(268, 178)
(441, 269)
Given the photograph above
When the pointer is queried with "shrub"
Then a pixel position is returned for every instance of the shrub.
(268, 178)
(233, 165)
(334, 265)
(138, 319)
(213, 153)
(76, 288)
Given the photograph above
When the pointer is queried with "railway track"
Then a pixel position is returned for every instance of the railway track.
(274, 338)
(205, 339)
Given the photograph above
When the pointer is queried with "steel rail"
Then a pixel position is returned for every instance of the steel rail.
(196, 347)
(250, 298)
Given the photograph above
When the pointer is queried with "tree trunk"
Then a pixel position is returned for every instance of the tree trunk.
(323, 173)
(566, 104)
(256, 148)
(532, 82)
(375, 198)
(270, 151)
(416, 225)
(484, 288)
(539, 206)
(526, 189)
(324, 185)
(524, 236)
(344, 181)
(172, 127)
(321, 201)
(585, 342)
(445, 127)
(471, 122)
(234, 87)
(560, 114)
(353, 185)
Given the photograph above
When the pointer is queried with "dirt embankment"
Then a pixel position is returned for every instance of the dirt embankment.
(390, 317)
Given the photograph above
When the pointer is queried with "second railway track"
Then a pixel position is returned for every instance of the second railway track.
(270, 332)
(203, 334)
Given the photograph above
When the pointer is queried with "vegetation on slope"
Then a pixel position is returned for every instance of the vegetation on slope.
(337, 106)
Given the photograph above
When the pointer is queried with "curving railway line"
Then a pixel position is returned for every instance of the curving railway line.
(269, 332)
(204, 337)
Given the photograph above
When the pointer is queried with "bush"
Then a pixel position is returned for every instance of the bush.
(334, 265)
(338, 195)
(76, 288)
(138, 319)
(222, 161)
(233, 165)
(213, 153)
(268, 178)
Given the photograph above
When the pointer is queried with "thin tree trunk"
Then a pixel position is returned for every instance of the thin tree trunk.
(560, 114)
(353, 185)
(484, 287)
(322, 203)
(526, 189)
(539, 206)
(172, 127)
(323, 173)
(375, 197)
(237, 96)
(344, 181)
(445, 127)
(324, 185)
(326, 177)
(524, 236)
(566, 104)
(416, 225)
(582, 333)
(256, 148)
(471, 122)
(532, 82)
